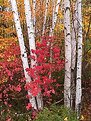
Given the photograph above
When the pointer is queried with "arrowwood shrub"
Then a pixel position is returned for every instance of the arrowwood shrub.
(12, 78)
(48, 62)
(13, 88)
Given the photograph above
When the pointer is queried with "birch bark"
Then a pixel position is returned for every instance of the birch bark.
(34, 13)
(79, 59)
(67, 81)
(46, 9)
(74, 36)
(73, 52)
(22, 47)
(31, 36)
(54, 17)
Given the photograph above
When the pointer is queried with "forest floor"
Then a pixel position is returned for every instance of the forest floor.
(86, 106)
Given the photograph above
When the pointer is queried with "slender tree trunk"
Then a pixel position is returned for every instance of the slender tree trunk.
(46, 9)
(22, 47)
(73, 52)
(74, 36)
(54, 20)
(54, 17)
(79, 60)
(31, 36)
(67, 81)
(34, 13)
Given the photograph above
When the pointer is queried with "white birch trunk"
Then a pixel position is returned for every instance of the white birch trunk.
(46, 9)
(73, 53)
(31, 36)
(22, 47)
(53, 9)
(34, 13)
(67, 81)
(74, 37)
(54, 20)
(79, 59)
(54, 17)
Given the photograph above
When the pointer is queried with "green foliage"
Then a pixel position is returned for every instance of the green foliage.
(7, 113)
(56, 113)
(53, 113)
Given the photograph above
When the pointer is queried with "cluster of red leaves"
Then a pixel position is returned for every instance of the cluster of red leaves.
(11, 76)
(48, 61)
(11, 62)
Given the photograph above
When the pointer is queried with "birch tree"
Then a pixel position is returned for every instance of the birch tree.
(67, 81)
(34, 13)
(74, 36)
(54, 16)
(73, 51)
(22, 48)
(31, 37)
(54, 19)
(45, 15)
(79, 59)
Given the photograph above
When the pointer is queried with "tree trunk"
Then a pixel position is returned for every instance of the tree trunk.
(67, 81)
(79, 60)
(22, 47)
(73, 53)
(54, 17)
(54, 20)
(31, 36)
(46, 9)
(34, 13)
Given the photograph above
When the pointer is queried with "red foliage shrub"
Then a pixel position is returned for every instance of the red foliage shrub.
(48, 62)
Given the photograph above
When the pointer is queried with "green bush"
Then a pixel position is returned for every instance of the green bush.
(56, 113)
(52, 113)
(7, 113)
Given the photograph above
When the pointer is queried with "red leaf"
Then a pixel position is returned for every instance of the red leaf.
(18, 88)
(29, 106)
